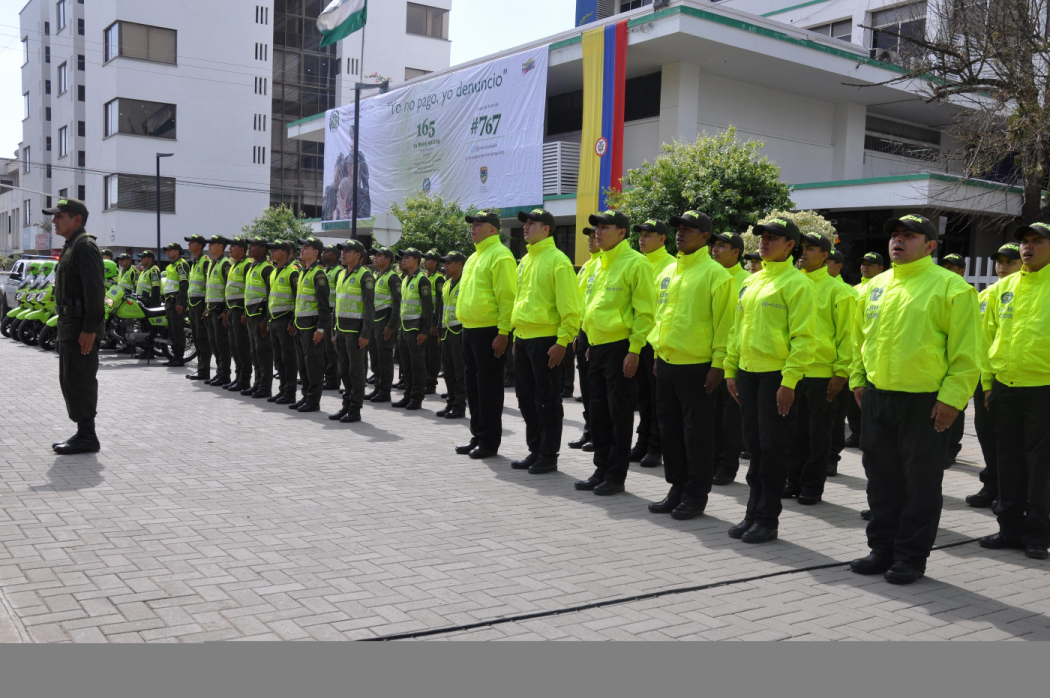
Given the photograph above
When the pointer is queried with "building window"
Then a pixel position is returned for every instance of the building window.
(47, 28)
(259, 155)
(47, 87)
(63, 193)
(25, 105)
(81, 129)
(261, 86)
(81, 158)
(80, 26)
(139, 193)
(27, 217)
(628, 5)
(47, 144)
(81, 93)
(906, 21)
(81, 62)
(60, 14)
(427, 21)
(141, 42)
(411, 73)
(262, 14)
(81, 192)
(260, 122)
(47, 174)
(47, 54)
(25, 51)
(63, 142)
(138, 118)
(47, 113)
(843, 31)
(63, 79)
(262, 51)
(902, 140)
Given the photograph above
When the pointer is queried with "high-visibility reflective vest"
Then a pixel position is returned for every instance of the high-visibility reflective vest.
(147, 280)
(281, 297)
(235, 283)
(215, 291)
(128, 279)
(411, 304)
(255, 287)
(306, 306)
(383, 297)
(172, 275)
(199, 279)
(350, 301)
(449, 296)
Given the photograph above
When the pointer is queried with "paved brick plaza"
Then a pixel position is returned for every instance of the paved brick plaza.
(208, 516)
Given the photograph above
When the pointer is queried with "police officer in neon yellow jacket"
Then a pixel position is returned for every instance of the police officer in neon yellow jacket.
(770, 350)
(584, 279)
(1016, 378)
(617, 317)
(826, 377)
(834, 265)
(915, 363)
(694, 317)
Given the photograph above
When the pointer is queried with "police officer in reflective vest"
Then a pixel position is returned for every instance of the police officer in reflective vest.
(280, 309)
(256, 295)
(452, 339)
(176, 285)
(148, 286)
(437, 280)
(129, 275)
(332, 269)
(237, 321)
(312, 318)
(387, 322)
(197, 293)
(417, 313)
(215, 297)
(354, 314)
(584, 279)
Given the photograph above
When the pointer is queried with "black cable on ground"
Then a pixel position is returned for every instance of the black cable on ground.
(619, 600)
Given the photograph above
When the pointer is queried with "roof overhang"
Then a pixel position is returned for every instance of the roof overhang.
(921, 190)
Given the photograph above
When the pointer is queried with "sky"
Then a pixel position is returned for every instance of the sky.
(476, 28)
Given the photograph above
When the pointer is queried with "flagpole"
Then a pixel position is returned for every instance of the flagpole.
(361, 65)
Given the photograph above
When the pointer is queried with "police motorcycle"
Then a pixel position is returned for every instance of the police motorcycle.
(148, 330)
(49, 332)
(41, 308)
(10, 319)
(28, 296)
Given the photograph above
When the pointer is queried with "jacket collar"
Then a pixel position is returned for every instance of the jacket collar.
(610, 256)
(701, 256)
(1036, 277)
(655, 256)
(73, 237)
(818, 276)
(541, 246)
(906, 271)
(487, 243)
(770, 268)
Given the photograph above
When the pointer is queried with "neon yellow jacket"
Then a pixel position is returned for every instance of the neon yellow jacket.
(622, 299)
(773, 325)
(488, 287)
(833, 326)
(659, 261)
(586, 274)
(916, 332)
(694, 311)
(548, 301)
(1017, 329)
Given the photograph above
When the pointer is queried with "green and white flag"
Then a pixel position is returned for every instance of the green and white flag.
(341, 19)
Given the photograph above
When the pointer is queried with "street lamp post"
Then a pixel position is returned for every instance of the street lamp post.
(159, 156)
(383, 87)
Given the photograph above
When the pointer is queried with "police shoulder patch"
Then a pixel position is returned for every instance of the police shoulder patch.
(424, 290)
(368, 282)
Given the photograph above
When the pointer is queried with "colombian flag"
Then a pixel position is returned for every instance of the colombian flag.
(601, 145)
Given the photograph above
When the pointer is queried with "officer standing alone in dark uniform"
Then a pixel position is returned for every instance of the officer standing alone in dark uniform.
(256, 295)
(387, 321)
(431, 260)
(79, 295)
(281, 308)
(354, 315)
(312, 318)
(417, 316)
(198, 282)
(176, 286)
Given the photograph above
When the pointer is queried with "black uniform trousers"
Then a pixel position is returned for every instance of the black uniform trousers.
(78, 378)
(982, 424)
(904, 459)
(240, 343)
(568, 374)
(838, 425)
(686, 414)
(648, 417)
(219, 339)
(383, 359)
(612, 412)
(353, 368)
(809, 454)
(1021, 417)
(176, 329)
(483, 376)
(853, 418)
(433, 359)
(310, 358)
(585, 382)
(452, 355)
(728, 436)
(285, 353)
(332, 373)
(955, 438)
(538, 388)
(199, 327)
(262, 354)
(768, 437)
(413, 365)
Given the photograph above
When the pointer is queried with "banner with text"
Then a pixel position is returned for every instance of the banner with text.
(475, 135)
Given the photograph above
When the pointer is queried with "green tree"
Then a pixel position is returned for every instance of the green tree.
(719, 175)
(807, 221)
(431, 222)
(278, 223)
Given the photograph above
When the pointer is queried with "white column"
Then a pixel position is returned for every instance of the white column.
(848, 141)
(679, 102)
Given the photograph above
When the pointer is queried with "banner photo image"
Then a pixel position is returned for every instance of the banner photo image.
(475, 135)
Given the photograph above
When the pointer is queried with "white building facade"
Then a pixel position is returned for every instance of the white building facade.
(107, 85)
